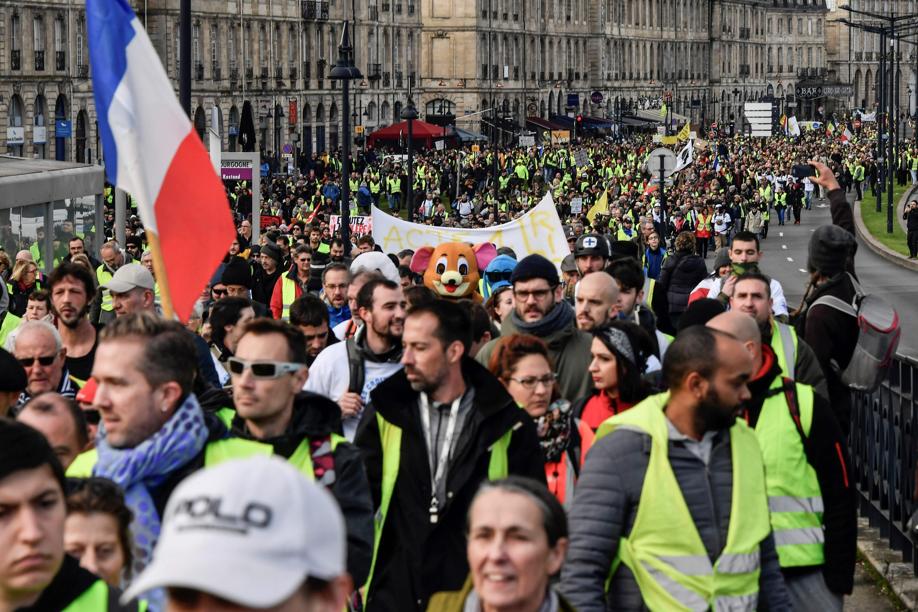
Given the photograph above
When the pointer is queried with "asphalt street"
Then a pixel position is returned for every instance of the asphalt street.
(785, 254)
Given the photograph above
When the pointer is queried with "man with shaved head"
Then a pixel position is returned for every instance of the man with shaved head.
(810, 500)
(596, 301)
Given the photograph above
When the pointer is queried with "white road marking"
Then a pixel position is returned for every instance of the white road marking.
(784, 246)
(781, 234)
(790, 259)
(802, 270)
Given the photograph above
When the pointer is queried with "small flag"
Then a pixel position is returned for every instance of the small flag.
(685, 132)
(153, 152)
(600, 207)
(830, 129)
(793, 128)
(685, 157)
(846, 136)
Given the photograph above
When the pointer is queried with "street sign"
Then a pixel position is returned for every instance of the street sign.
(759, 116)
(358, 129)
(573, 99)
(596, 97)
(668, 158)
(63, 128)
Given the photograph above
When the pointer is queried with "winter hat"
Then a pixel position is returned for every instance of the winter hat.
(273, 251)
(721, 258)
(237, 272)
(622, 249)
(830, 249)
(535, 266)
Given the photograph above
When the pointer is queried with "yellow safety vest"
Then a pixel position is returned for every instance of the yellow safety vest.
(10, 322)
(95, 599)
(103, 276)
(215, 453)
(675, 573)
(391, 439)
(784, 344)
(794, 496)
(288, 295)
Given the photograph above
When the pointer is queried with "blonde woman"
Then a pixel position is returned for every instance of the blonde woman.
(23, 281)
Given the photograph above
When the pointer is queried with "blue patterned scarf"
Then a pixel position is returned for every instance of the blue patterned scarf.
(143, 468)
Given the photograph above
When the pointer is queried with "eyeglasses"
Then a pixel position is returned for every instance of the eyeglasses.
(219, 291)
(531, 382)
(263, 369)
(538, 294)
(45, 360)
(92, 416)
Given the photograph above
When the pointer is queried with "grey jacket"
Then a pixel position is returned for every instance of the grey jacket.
(570, 351)
(605, 503)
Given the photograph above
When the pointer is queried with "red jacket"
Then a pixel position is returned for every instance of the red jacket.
(277, 296)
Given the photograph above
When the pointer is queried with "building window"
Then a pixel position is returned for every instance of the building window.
(80, 41)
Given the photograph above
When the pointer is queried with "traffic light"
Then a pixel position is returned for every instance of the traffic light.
(579, 120)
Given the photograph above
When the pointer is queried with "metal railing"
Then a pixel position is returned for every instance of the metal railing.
(884, 448)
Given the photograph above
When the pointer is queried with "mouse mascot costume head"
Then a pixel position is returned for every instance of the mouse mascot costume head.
(452, 270)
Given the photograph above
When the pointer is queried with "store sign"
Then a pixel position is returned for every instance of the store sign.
(39, 134)
(838, 90)
(15, 135)
(63, 128)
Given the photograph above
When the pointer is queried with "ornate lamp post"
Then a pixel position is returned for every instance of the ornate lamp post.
(345, 71)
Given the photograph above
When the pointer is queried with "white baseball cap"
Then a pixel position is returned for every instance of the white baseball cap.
(249, 531)
(130, 276)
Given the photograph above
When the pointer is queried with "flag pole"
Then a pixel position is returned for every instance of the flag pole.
(159, 266)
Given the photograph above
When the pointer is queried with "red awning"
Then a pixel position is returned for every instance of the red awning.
(544, 123)
(421, 130)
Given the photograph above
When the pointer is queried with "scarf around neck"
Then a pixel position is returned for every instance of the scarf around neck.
(145, 467)
(558, 318)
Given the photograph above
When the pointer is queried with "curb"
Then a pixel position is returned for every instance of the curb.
(897, 578)
(878, 247)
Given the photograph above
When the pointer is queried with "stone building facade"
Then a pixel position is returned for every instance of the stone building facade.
(483, 65)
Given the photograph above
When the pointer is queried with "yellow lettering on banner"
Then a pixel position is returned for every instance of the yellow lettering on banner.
(393, 236)
(497, 238)
(413, 239)
(541, 218)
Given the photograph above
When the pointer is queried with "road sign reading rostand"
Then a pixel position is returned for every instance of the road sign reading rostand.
(759, 116)
(668, 158)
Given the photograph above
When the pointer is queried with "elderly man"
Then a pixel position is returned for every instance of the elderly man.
(60, 421)
(41, 352)
(596, 301)
(132, 289)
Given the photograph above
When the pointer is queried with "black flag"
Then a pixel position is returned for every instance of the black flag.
(247, 128)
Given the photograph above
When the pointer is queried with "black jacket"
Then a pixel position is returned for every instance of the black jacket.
(912, 218)
(826, 451)
(263, 284)
(680, 275)
(316, 417)
(416, 558)
(831, 333)
(70, 583)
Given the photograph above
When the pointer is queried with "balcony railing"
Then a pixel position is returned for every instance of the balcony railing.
(39, 61)
(385, 79)
(218, 73)
(398, 79)
(199, 72)
(15, 59)
(83, 71)
(374, 72)
(279, 72)
(60, 60)
(858, 56)
(234, 75)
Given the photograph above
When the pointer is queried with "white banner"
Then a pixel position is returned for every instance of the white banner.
(538, 231)
(360, 225)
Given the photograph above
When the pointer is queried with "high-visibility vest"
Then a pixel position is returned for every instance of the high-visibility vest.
(858, 174)
(784, 344)
(96, 599)
(794, 496)
(391, 437)
(675, 573)
(649, 286)
(215, 453)
(375, 187)
(781, 199)
(10, 322)
(288, 295)
(301, 458)
(765, 192)
(103, 276)
(395, 185)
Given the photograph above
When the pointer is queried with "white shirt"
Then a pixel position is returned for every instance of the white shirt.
(721, 221)
(330, 375)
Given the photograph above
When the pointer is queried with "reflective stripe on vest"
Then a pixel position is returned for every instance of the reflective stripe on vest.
(103, 276)
(676, 573)
(215, 453)
(288, 295)
(785, 349)
(391, 440)
(794, 496)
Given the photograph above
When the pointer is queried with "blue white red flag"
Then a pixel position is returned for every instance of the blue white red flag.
(152, 151)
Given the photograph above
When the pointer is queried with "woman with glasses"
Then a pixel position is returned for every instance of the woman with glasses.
(619, 355)
(521, 362)
(97, 530)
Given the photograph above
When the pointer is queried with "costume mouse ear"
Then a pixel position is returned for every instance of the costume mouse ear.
(421, 259)
(484, 253)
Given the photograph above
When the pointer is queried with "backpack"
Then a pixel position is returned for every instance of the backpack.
(877, 339)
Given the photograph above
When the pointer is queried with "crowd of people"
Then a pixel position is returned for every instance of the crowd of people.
(637, 429)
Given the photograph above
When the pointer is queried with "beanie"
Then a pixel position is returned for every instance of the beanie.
(273, 251)
(622, 249)
(721, 258)
(237, 272)
(830, 249)
(535, 266)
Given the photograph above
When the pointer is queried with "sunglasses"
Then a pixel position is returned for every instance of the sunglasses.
(92, 416)
(263, 369)
(499, 276)
(28, 362)
(219, 291)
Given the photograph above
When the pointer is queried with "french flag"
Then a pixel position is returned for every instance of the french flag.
(152, 152)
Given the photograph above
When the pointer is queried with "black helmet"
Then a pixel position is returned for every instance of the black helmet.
(592, 244)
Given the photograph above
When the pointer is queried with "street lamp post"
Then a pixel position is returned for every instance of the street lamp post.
(345, 71)
(410, 114)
